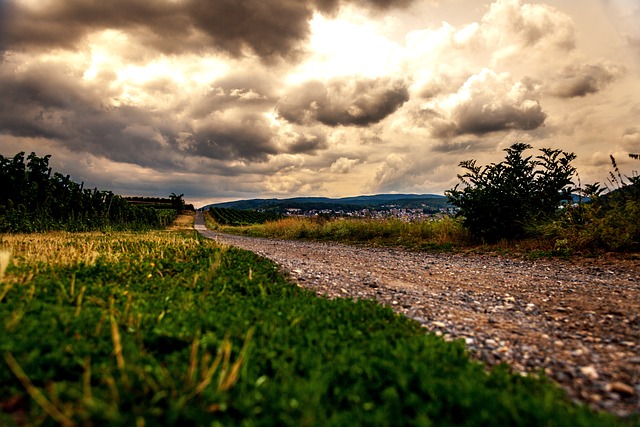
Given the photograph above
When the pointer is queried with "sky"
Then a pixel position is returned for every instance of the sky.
(234, 99)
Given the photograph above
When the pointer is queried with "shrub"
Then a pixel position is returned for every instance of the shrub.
(501, 200)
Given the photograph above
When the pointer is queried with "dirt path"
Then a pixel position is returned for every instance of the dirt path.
(578, 321)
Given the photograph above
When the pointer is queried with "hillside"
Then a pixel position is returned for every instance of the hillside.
(377, 201)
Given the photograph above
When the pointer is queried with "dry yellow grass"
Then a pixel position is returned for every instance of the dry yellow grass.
(5, 257)
(67, 249)
(184, 221)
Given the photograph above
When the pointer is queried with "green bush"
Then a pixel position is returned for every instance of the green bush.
(501, 200)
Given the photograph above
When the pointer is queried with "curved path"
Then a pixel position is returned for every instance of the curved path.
(578, 321)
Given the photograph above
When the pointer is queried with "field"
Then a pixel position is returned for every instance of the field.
(238, 217)
(167, 328)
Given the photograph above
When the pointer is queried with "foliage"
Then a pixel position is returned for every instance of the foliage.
(609, 219)
(32, 199)
(168, 329)
(177, 201)
(501, 200)
(239, 217)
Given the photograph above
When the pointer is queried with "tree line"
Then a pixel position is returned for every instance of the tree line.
(32, 199)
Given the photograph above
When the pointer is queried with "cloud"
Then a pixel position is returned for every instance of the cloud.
(512, 28)
(64, 23)
(40, 100)
(343, 102)
(306, 142)
(584, 79)
(304, 182)
(223, 96)
(43, 100)
(633, 40)
(248, 137)
(486, 102)
(462, 145)
(392, 170)
(631, 139)
(343, 165)
(271, 30)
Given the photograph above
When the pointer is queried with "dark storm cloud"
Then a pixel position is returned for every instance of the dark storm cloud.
(246, 139)
(3, 24)
(269, 29)
(328, 6)
(480, 119)
(585, 79)
(343, 102)
(306, 142)
(39, 101)
(64, 23)
(44, 102)
(485, 103)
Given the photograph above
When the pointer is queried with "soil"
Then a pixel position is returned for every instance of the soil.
(577, 320)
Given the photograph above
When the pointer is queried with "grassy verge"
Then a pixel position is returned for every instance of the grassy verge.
(166, 328)
(548, 240)
(445, 234)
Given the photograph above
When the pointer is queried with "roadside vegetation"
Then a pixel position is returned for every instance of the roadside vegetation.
(524, 205)
(168, 328)
(446, 234)
(33, 199)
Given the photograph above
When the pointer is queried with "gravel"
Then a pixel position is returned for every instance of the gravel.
(577, 321)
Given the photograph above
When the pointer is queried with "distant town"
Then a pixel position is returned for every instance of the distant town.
(384, 212)
(406, 207)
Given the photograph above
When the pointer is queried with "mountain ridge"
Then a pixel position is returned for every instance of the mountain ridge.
(352, 201)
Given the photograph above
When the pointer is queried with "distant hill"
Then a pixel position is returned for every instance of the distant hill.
(377, 201)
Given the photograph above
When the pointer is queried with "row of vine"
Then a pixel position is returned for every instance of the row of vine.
(33, 199)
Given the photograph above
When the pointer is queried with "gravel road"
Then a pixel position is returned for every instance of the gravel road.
(578, 321)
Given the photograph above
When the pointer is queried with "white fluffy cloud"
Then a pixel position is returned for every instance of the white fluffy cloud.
(512, 29)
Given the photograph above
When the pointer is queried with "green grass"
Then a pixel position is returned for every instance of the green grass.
(166, 328)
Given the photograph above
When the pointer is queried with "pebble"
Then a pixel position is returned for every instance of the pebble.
(621, 388)
(589, 372)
